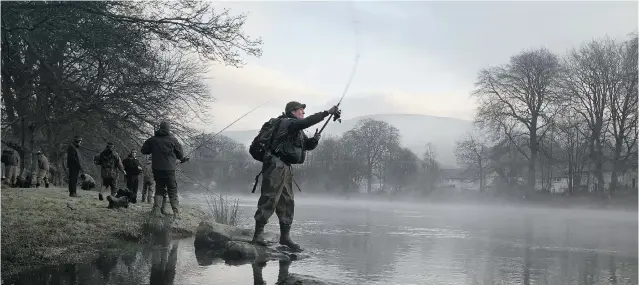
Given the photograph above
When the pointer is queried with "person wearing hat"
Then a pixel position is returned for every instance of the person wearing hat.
(110, 163)
(165, 151)
(147, 183)
(290, 146)
(133, 168)
(43, 170)
(74, 164)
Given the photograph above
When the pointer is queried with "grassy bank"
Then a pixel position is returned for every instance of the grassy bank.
(45, 226)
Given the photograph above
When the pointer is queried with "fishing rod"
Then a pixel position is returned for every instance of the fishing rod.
(214, 135)
(348, 84)
(350, 79)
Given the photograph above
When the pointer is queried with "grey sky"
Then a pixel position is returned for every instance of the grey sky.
(416, 57)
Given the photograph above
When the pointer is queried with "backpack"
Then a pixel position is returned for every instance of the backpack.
(264, 139)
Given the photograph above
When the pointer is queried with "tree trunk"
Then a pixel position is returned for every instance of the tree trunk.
(599, 167)
(481, 177)
(571, 175)
(369, 179)
(616, 167)
(532, 175)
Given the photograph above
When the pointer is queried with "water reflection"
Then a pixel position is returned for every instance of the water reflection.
(282, 274)
(163, 265)
(153, 265)
(362, 244)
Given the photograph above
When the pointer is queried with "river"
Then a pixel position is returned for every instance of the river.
(364, 242)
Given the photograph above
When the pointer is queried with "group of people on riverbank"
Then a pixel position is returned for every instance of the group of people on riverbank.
(159, 172)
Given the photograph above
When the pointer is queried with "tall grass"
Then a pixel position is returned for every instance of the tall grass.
(225, 210)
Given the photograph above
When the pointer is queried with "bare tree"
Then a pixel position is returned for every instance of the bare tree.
(372, 139)
(430, 169)
(107, 70)
(592, 74)
(519, 100)
(571, 134)
(401, 168)
(472, 153)
(623, 110)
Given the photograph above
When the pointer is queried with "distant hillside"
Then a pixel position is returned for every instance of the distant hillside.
(415, 131)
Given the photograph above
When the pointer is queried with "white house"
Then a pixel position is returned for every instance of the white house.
(458, 179)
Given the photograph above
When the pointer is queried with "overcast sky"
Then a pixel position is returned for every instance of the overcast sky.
(415, 57)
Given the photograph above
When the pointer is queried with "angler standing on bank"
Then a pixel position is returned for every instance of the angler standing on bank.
(165, 151)
(280, 143)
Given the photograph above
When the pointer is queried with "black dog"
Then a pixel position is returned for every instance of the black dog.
(121, 200)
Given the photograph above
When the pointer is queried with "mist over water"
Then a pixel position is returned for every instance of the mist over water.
(374, 242)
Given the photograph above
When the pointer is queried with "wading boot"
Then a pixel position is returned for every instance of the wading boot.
(176, 211)
(157, 202)
(163, 208)
(285, 238)
(143, 197)
(258, 235)
(100, 197)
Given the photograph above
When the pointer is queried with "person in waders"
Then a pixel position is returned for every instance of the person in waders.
(280, 143)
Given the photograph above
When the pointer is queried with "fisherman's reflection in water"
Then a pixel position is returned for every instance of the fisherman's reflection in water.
(163, 260)
(105, 264)
(282, 274)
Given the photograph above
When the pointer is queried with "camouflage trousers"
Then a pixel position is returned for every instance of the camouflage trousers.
(147, 190)
(12, 172)
(276, 192)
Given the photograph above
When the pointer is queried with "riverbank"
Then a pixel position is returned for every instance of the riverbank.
(46, 226)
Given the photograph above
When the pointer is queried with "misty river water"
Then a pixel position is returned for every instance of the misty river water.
(358, 242)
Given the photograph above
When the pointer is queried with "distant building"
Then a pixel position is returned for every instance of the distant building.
(459, 179)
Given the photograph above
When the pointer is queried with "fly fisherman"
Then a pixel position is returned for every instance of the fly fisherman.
(165, 151)
(287, 146)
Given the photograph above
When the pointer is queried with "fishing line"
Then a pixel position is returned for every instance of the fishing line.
(353, 70)
(229, 125)
(209, 140)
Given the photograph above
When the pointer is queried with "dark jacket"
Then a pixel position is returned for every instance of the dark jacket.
(291, 141)
(164, 149)
(10, 157)
(74, 158)
(132, 165)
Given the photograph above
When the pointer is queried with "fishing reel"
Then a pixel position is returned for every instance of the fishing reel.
(338, 116)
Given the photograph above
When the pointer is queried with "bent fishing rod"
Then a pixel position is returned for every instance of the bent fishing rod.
(348, 84)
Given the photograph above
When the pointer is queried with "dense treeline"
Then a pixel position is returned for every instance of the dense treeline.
(108, 71)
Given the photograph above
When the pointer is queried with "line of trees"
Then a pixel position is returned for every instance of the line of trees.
(549, 116)
(367, 158)
(540, 117)
(108, 71)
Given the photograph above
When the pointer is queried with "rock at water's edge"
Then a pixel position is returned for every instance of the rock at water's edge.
(300, 279)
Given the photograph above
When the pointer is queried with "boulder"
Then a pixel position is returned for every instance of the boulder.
(214, 241)
(301, 279)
